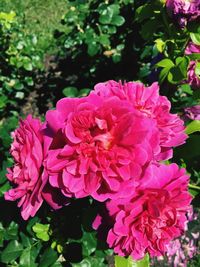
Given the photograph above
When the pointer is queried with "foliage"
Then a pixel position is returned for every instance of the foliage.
(19, 62)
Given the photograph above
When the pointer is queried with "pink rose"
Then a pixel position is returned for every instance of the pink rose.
(28, 174)
(151, 105)
(100, 146)
(153, 216)
(183, 11)
(193, 79)
(27, 152)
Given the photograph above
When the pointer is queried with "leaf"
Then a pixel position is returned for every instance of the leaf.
(93, 49)
(195, 38)
(42, 231)
(165, 63)
(11, 252)
(193, 127)
(160, 45)
(129, 262)
(182, 64)
(89, 243)
(48, 258)
(28, 66)
(175, 75)
(186, 88)
(194, 56)
(193, 192)
(3, 188)
(70, 91)
(28, 257)
(11, 231)
(197, 69)
(117, 21)
(144, 12)
(104, 40)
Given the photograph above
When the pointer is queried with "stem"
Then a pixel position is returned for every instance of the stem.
(192, 186)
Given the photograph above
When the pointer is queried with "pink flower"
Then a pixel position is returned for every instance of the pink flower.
(28, 174)
(193, 79)
(193, 112)
(153, 216)
(100, 146)
(183, 11)
(27, 152)
(151, 105)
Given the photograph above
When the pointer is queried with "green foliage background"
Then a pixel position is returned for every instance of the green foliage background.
(51, 49)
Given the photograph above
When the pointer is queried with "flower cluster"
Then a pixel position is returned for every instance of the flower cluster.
(183, 11)
(110, 146)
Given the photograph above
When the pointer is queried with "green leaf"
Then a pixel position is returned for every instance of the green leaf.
(104, 40)
(28, 66)
(89, 243)
(93, 49)
(2, 233)
(193, 127)
(129, 262)
(186, 88)
(28, 257)
(11, 231)
(11, 252)
(107, 14)
(144, 12)
(182, 64)
(48, 258)
(160, 45)
(194, 56)
(165, 63)
(4, 188)
(195, 38)
(42, 231)
(197, 69)
(70, 91)
(163, 74)
(117, 20)
(3, 101)
(193, 192)
(175, 75)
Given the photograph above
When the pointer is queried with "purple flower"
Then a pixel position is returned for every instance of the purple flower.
(193, 79)
(193, 112)
(183, 11)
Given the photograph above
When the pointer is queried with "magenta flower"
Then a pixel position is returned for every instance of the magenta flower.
(193, 112)
(151, 105)
(153, 216)
(183, 11)
(27, 173)
(193, 79)
(100, 146)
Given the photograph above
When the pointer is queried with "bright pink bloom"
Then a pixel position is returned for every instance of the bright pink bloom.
(151, 105)
(153, 216)
(100, 146)
(27, 174)
(193, 79)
